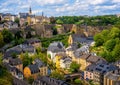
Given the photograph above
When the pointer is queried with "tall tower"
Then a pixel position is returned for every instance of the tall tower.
(30, 11)
(42, 14)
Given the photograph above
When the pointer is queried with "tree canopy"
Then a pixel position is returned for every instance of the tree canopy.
(7, 35)
(1, 40)
(91, 20)
(74, 67)
(109, 40)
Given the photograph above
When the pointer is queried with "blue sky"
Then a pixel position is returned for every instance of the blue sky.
(61, 7)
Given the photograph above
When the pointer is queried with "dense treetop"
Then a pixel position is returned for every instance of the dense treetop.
(92, 21)
(108, 42)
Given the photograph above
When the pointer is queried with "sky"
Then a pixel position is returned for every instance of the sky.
(61, 7)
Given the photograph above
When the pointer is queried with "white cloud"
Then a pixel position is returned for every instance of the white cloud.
(105, 7)
(36, 11)
(96, 2)
(46, 2)
(24, 6)
(61, 7)
(116, 1)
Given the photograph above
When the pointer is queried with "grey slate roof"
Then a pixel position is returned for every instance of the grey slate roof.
(39, 63)
(19, 82)
(23, 15)
(81, 39)
(83, 50)
(14, 62)
(72, 47)
(49, 81)
(56, 47)
(34, 68)
(12, 69)
(114, 76)
(67, 59)
(90, 68)
(92, 58)
(18, 50)
(102, 68)
(32, 40)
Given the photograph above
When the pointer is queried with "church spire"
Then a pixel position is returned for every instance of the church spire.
(30, 11)
(42, 14)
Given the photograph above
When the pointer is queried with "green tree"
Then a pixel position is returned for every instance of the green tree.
(74, 67)
(57, 75)
(26, 59)
(116, 52)
(114, 33)
(110, 44)
(98, 40)
(18, 35)
(78, 81)
(1, 40)
(7, 36)
(30, 80)
(52, 20)
(59, 21)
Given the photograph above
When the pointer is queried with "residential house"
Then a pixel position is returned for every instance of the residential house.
(31, 70)
(6, 17)
(35, 69)
(77, 38)
(100, 70)
(88, 59)
(1, 27)
(42, 67)
(97, 71)
(117, 63)
(14, 71)
(79, 52)
(44, 80)
(88, 73)
(10, 25)
(23, 15)
(70, 49)
(112, 78)
(19, 82)
(42, 19)
(16, 63)
(17, 50)
(23, 21)
(23, 18)
(63, 61)
(34, 42)
(54, 48)
(75, 53)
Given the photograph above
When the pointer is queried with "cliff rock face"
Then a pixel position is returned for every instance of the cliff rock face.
(43, 30)
(88, 30)
(46, 30)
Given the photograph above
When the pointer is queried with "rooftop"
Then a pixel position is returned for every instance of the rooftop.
(33, 68)
(113, 76)
(49, 81)
(56, 47)
(32, 40)
(16, 61)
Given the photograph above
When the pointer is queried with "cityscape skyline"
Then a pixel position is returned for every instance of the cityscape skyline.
(61, 7)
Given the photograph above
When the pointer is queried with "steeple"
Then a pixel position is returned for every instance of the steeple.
(30, 11)
(42, 14)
